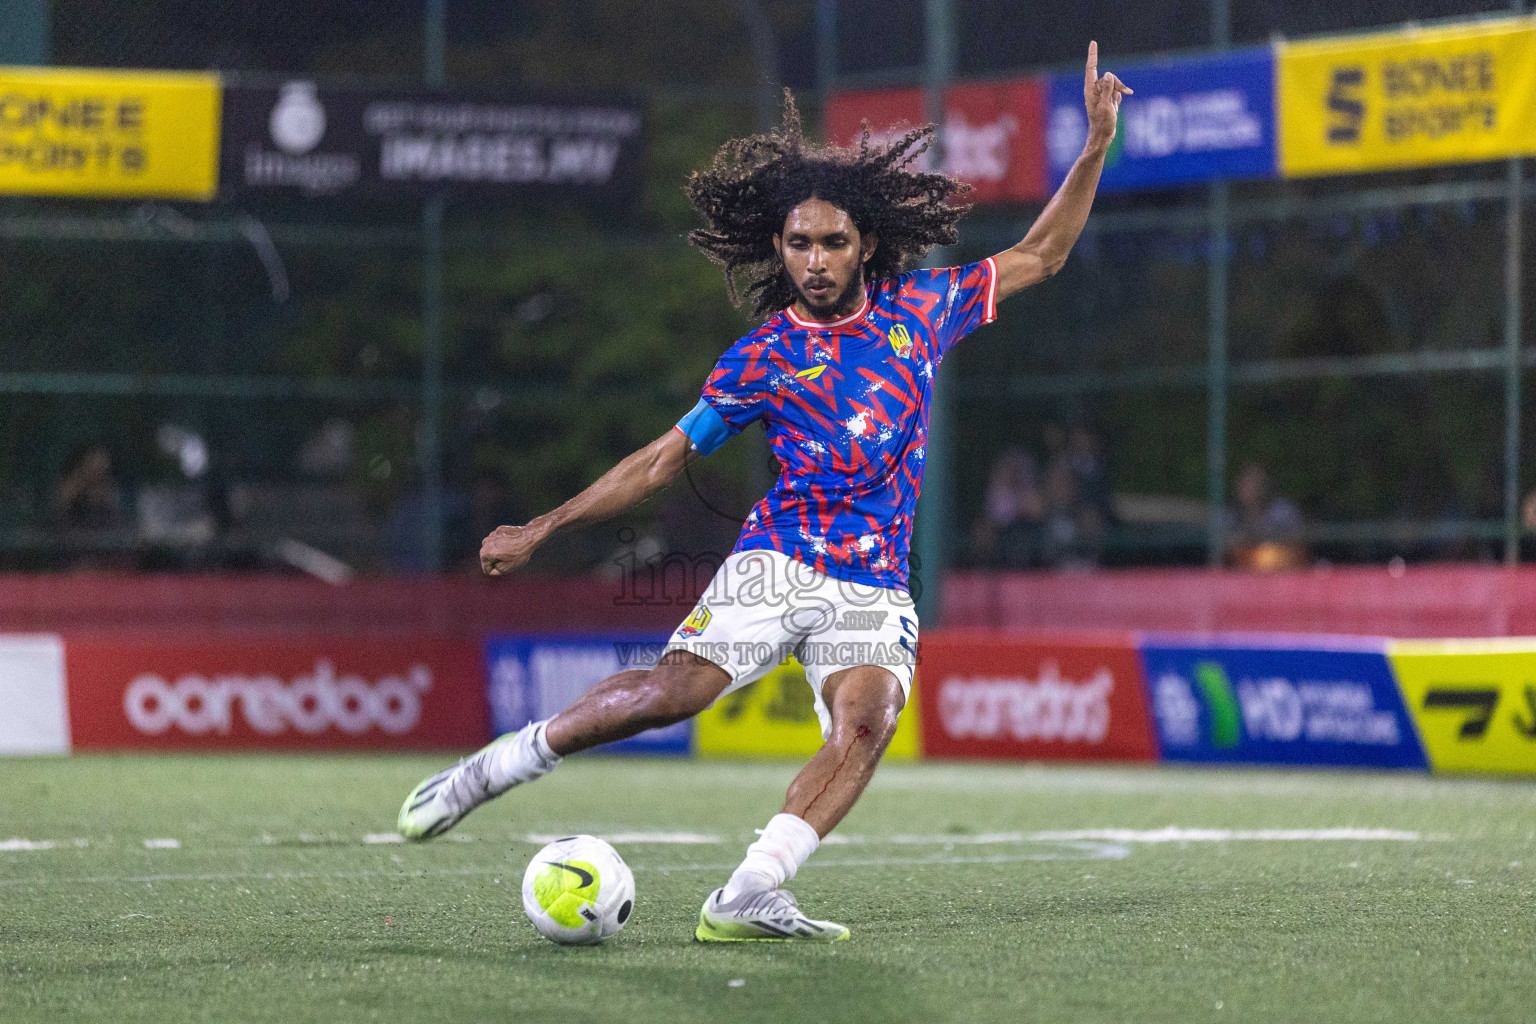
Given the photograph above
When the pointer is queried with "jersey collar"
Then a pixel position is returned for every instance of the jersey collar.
(828, 325)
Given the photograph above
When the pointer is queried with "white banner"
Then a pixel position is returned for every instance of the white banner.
(34, 715)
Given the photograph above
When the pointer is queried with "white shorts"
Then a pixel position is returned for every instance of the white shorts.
(762, 607)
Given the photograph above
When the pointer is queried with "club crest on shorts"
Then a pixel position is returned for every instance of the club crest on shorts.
(696, 623)
(900, 338)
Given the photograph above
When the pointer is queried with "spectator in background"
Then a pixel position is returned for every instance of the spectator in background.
(405, 530)
(1085, 455)
(88, 511)
(1072, 535)
(490, 505)
(1008, 533)
(87, 498)
(1264, 529)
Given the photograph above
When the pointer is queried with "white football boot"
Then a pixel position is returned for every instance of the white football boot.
(771, 916)
(441, 801)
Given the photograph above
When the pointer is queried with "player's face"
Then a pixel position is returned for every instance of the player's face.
(824, 255)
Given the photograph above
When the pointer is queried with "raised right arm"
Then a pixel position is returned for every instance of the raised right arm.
(618, 490)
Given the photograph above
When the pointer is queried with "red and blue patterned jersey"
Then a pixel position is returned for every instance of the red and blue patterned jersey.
(845, 405)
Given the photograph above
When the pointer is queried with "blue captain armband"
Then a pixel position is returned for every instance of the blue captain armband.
(705, 428)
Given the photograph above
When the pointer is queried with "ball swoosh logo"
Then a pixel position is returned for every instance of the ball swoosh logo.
(585, 876)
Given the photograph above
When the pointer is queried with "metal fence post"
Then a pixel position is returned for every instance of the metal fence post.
(765, 51)
(1216, 373)
(933, 518)
(1512, 329)
(1513, 268)
(826, 48)
(24, 31)
(1217, 231)
(434, 73)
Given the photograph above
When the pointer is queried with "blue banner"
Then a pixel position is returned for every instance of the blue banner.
(1232, 701)
(530, 678)
(1189, 121)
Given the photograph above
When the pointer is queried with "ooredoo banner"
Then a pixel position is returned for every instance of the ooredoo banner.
(1310, 700)
(1187, 121)
(300, 693)
(529, 678)
(1474, 701)
(992, 695)
(991, 132)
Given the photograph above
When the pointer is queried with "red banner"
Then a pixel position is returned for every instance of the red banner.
(890, 112)
(296, 694)
(992, 695)
(993, 132)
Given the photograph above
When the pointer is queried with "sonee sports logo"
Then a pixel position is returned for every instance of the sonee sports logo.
(1345, 106)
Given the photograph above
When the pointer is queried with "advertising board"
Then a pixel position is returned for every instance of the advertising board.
(529, 678)
(1474, 701)
(280, 693)
(991, 132)
(1299, 701)
(992, 695)
(776, 717)
(35, 719)
(108, 134)
(1410, 98)
(1189, 120)
(308, 139)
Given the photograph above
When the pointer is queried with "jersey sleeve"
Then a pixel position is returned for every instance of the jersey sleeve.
(732, 399)
(967, 299)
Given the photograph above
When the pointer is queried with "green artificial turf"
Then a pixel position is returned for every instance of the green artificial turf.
(273, 908)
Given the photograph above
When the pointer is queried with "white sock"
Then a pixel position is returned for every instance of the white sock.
(773, 860)
(523, 758)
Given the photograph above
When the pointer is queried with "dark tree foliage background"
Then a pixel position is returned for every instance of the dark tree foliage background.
(604, 322)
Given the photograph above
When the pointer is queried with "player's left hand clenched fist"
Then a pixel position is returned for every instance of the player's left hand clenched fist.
(1102, 97)
(506, 549)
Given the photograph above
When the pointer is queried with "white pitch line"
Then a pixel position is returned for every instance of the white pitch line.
(1396, 786)
(637, 838)
(1084, 851)
(26, 845)
(1168, 834)
(1171, 834)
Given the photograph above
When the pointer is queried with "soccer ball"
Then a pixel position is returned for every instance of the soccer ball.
(578, 891)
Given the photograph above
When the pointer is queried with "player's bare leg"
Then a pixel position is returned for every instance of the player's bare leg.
(622, 705)
(865, 703)
(628, 703)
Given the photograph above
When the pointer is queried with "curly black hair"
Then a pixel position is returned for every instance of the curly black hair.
(756, 181)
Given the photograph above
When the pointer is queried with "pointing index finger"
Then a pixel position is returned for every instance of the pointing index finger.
(1091, 74)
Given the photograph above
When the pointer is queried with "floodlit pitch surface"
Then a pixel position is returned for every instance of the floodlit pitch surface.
(268, 889)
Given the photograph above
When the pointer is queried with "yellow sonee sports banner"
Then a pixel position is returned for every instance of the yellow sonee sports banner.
(108, 133)
(776, 717)
(1408, 98)
(1473, 701)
